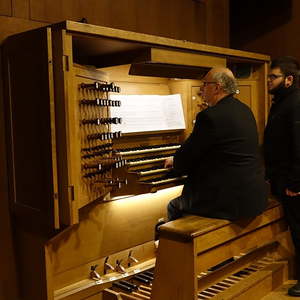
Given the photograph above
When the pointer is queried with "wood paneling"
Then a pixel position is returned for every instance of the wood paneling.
(123, 14)
(5, 8)
(252, 94)
(198, 21)
(9, 26)
(20, 8)
(32, 82)
(180, 19)
(217, 22)
(109, 228)
(31, 261)
(62, 53)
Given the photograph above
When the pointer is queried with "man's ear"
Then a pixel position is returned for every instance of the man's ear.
(288, 81)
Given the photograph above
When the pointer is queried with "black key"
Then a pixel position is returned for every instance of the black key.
(146, 276)
(149, 273)
(131, 285)
(141, 279)
(122, 287)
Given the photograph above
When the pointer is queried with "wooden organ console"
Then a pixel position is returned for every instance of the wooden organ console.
(85, 198)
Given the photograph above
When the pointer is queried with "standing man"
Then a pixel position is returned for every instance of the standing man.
(220, 157)
(282, 147)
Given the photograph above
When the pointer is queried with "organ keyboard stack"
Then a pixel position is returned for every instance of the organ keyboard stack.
(145, 171)
(109, 166)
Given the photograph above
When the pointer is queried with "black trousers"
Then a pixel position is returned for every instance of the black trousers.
(175, 209)
(291, 206)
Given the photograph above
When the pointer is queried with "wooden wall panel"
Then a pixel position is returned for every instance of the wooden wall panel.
(9, 26)
(177, 19)
(192, 20)
(109, 228)
(5, 8)
(180, 19)
(217, 22)
(55, 11)
(20, 8)
(123, 15)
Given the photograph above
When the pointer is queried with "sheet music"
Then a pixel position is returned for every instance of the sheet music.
(141, 113)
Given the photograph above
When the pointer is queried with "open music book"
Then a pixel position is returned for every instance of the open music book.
(142, 113)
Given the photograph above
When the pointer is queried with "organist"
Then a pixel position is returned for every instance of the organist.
(220, 157)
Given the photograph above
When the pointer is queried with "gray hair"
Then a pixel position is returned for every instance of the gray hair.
(227, 82)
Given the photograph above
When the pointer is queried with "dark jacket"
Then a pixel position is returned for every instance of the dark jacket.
(282, 142)
(220, 158)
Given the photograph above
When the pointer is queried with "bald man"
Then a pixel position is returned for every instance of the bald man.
(220, 157)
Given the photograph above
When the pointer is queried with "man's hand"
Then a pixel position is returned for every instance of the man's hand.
(169, 162)
(291, 194)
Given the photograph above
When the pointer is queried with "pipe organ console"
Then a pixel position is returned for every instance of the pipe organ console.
(86, 196)
(107, 166)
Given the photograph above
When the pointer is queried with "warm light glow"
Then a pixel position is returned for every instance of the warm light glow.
(169, 193)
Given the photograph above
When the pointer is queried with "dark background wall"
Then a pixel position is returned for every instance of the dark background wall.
(266, 26)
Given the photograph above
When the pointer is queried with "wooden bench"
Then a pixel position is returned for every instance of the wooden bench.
(190, 246)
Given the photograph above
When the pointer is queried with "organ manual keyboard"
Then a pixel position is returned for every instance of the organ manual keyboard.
(79, 184)
(143, 116)
(145, 169)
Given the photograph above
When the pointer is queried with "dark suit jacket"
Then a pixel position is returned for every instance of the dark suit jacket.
(282, 142)
(220, 158)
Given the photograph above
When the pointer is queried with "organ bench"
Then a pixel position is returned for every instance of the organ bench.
(191, 251)
(191, 245)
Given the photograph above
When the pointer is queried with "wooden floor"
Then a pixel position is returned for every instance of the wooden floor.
(281, 292)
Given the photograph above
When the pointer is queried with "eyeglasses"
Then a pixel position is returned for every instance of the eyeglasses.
(274, 76)
(205, 83)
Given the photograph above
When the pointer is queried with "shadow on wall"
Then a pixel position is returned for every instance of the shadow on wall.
(251, 19)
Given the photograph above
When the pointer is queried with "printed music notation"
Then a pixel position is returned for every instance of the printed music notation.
(142, 113)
